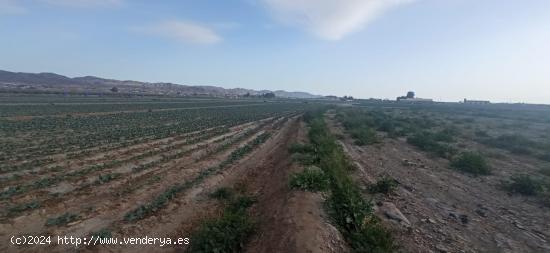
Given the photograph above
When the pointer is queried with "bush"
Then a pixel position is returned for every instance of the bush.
(304, 158)
(471, 162)
(301, 148)
(428, 142)
(525, 185)
(240, 204)
(102, 179)
(62, 220)
(222, 193)
(227, 233)
(384, 185)
(311, 179)
(517, 144)
(373, 238)
(445, 135)
(23, 207)
(364, 136)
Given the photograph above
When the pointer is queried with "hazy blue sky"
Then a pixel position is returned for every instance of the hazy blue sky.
(442, 49)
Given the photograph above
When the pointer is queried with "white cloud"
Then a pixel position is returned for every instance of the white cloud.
(181, 31)
(11, 7)
(330, 19)
(85, 3)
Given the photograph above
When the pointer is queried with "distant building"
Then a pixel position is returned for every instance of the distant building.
(476, 102)
(409, 98)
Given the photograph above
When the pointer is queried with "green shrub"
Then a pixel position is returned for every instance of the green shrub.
(346, 205)
(524, 184)
(471, 162)
(62, 220)
(102, 179)
(364, 136)
(311, 179)
(445, 135)
(514, 143)
(384, 185)
(301, 148)
(387, 126)
(428, 142)
(23, 207)
(373, 238)
(226, 234)
(222, 193)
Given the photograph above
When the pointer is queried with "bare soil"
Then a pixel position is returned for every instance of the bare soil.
(445, 210)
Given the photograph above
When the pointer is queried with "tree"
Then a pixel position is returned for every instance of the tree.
(114, 89)
(269, 95)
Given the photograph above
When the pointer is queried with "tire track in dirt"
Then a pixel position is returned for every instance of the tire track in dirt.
(289, 220)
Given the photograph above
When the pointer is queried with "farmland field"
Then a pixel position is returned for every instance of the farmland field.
(275, 175)
(82, 166)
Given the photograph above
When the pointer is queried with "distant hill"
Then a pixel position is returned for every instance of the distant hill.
(50, 82)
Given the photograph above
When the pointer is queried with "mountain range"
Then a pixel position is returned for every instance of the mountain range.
(55, 83)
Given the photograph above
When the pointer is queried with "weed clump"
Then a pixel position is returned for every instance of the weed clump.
(225, 234)
(352, 214)
(384, 185)
(372, 238)
(430, 142)
(228, 232)
(311, 179)
(516, 144)
(301, 148)
(62, 220)
(364, 136)
(525, 185)
(102, 179)
(471, 162)
(222, 193)
(23, 207)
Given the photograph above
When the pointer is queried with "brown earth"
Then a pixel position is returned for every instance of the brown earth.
(437, 209)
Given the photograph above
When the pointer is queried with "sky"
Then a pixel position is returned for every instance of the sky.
(447, 50)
